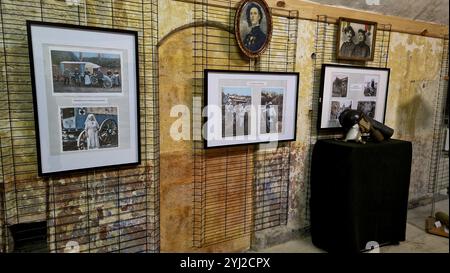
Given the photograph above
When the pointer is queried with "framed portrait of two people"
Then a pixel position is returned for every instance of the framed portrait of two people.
(356, 40)
(86, 99)
(253, 27)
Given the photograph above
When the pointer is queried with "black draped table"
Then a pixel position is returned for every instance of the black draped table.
(359, 194)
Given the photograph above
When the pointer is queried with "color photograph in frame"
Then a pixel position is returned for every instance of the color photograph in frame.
(86, 98)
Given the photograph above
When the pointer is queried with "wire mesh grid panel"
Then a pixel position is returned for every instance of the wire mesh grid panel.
(439, 171)
(325, 53)
(233, 186)
(114, 210)
(272, 165)
(222, 200)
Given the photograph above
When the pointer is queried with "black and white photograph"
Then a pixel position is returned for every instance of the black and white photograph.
(86, 96)
(271, 110)
(371, 86)
(86, 72)
(337, 107)
(340, 86)
(354, 87)
(253, 27)
(89, 128)
(249, 107)
(236, 103)
(356, 40)
(368, 108)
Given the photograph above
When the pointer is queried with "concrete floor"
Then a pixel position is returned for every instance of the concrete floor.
(417, 240)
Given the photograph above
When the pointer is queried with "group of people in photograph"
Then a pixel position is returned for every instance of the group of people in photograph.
(95, 79)
(236, 114)
(355, 43)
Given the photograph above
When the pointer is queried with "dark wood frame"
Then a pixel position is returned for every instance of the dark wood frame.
(374, 39)
(29, 24)
(205, 102)
(322, 85)
(237, 30)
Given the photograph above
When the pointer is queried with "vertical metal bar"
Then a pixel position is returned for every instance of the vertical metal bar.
(438, 127)
(112, 14)
(3, 227)
(118, 209)
(388, 45)
(9, 112)
(226, 194)
(144, 127)
(88, 211)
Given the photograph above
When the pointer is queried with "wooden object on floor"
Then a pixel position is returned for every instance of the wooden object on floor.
(432, 229)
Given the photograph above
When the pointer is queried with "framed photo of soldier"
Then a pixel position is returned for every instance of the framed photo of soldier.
(253, 27)
(249, 107)
(86, 98)
(356, 40)
(352, 87)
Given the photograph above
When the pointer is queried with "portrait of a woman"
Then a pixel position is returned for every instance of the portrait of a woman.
(91, 128)
(253, 27)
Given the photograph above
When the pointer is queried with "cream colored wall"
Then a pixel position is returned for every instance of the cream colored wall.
(415, 64)
(173, 14)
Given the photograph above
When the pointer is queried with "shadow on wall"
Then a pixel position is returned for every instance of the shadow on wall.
(416, 115)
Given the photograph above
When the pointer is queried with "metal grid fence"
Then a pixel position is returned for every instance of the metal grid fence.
(113, 210)
(325, 53)
(238, 190)
(439, 169)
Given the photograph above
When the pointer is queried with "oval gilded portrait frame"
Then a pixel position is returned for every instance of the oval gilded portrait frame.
(237, 27)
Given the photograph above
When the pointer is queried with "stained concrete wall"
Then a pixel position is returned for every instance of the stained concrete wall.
(415, 64)
(409, 111)
(177, 161)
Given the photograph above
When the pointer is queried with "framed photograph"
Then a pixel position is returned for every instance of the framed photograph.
(249, 107)
(85, 88)
(253, 27)
(356, 40)
(352, 87)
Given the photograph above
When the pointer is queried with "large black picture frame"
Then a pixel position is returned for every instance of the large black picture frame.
(260, 95)
(357, 89)
(85, 83)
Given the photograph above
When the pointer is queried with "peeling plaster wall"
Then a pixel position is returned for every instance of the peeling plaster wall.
(297, 208)
(177, 164)
(413, 59)
(177, 156)
(172, 15)
(415, 64)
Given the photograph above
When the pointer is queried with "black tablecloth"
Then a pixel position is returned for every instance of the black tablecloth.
(359, 193)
